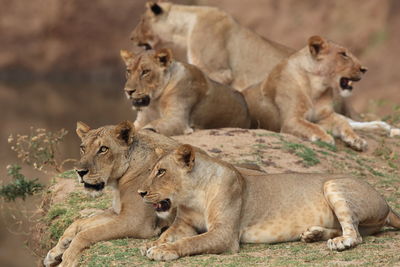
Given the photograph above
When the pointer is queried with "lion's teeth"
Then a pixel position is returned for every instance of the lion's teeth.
(350, 83)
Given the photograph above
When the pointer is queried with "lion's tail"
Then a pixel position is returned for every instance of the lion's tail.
(393, 219)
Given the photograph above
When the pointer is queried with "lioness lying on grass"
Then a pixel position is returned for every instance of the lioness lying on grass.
(120, 157)
(173, 98)
(218, 207)
(298, 95)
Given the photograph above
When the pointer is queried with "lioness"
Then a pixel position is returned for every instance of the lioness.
(297, 96)
(121, 158)
(212, 40)
(172, 97)
(218, 207)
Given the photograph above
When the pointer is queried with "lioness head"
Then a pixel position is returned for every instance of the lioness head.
(166, 181)
(336, 63)
(104, 153)
(146, 74)
(143, 35)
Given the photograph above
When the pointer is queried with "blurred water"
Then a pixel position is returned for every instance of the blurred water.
(50, 105)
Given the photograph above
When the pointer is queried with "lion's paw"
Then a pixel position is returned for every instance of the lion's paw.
(342, 243)
(52, 259)
(312, 234)
(188, 130)
(325, 138)
(162, 253)
(358, 144)
(144, 248)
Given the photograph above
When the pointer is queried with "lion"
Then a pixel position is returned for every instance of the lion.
(219, 206)
(298, 95)
(174, 98)
(120, 157)
(215, 42)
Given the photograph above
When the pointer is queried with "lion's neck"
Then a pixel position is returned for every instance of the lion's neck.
(177, 26)
(142, 159)
(308, 74)
(177, 72)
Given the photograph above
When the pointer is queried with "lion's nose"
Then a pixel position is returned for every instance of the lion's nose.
(363, 69)
(142, 193)
(130, 91)
(82, 172)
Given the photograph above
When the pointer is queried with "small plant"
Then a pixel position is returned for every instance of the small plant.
(307, 154)
(325, 145)
(394, 117)
(20, 187)
(38, 149)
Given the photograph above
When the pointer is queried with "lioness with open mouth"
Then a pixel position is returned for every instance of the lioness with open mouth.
(173, 98)
(298, 95)
(219, 206)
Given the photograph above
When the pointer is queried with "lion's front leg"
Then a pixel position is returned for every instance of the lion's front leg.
(174, 119)
(53, 257)
(215, 241)
(215, 61)
(118, 227)
(142, 118)
(176, 231)
(342, 129)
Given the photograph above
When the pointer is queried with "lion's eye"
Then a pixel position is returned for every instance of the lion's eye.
(128, 73)
(144, 72)
(344, 54)
(161, 172)
(103, 149)
(82, 148)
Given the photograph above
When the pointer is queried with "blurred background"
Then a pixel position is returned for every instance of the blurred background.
(59, 63)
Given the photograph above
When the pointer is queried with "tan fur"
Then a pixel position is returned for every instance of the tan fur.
(179, 96)
(219, 206)
(124, 165)
(298, 95)
(212, 40)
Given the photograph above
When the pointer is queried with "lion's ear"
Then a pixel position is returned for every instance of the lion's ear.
(155, 8)
(317, 45)
(127, 56)
(164, 56)
(185, 156)
(82, 129)
(124, 132)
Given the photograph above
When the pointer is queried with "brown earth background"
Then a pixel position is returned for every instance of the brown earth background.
(59, 63)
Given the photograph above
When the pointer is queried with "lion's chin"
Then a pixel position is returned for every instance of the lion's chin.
(94, 194)
(346, 93)
(94, 190)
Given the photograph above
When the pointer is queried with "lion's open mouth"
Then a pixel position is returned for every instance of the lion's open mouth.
(347, 83)
(141, 102)
(96, 187)
(163, 205)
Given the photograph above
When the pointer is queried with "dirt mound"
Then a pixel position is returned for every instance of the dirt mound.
(274, 153)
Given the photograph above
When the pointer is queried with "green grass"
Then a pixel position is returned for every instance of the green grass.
(61, 215)
(327, 146)
(307, 154)
(68, 174)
